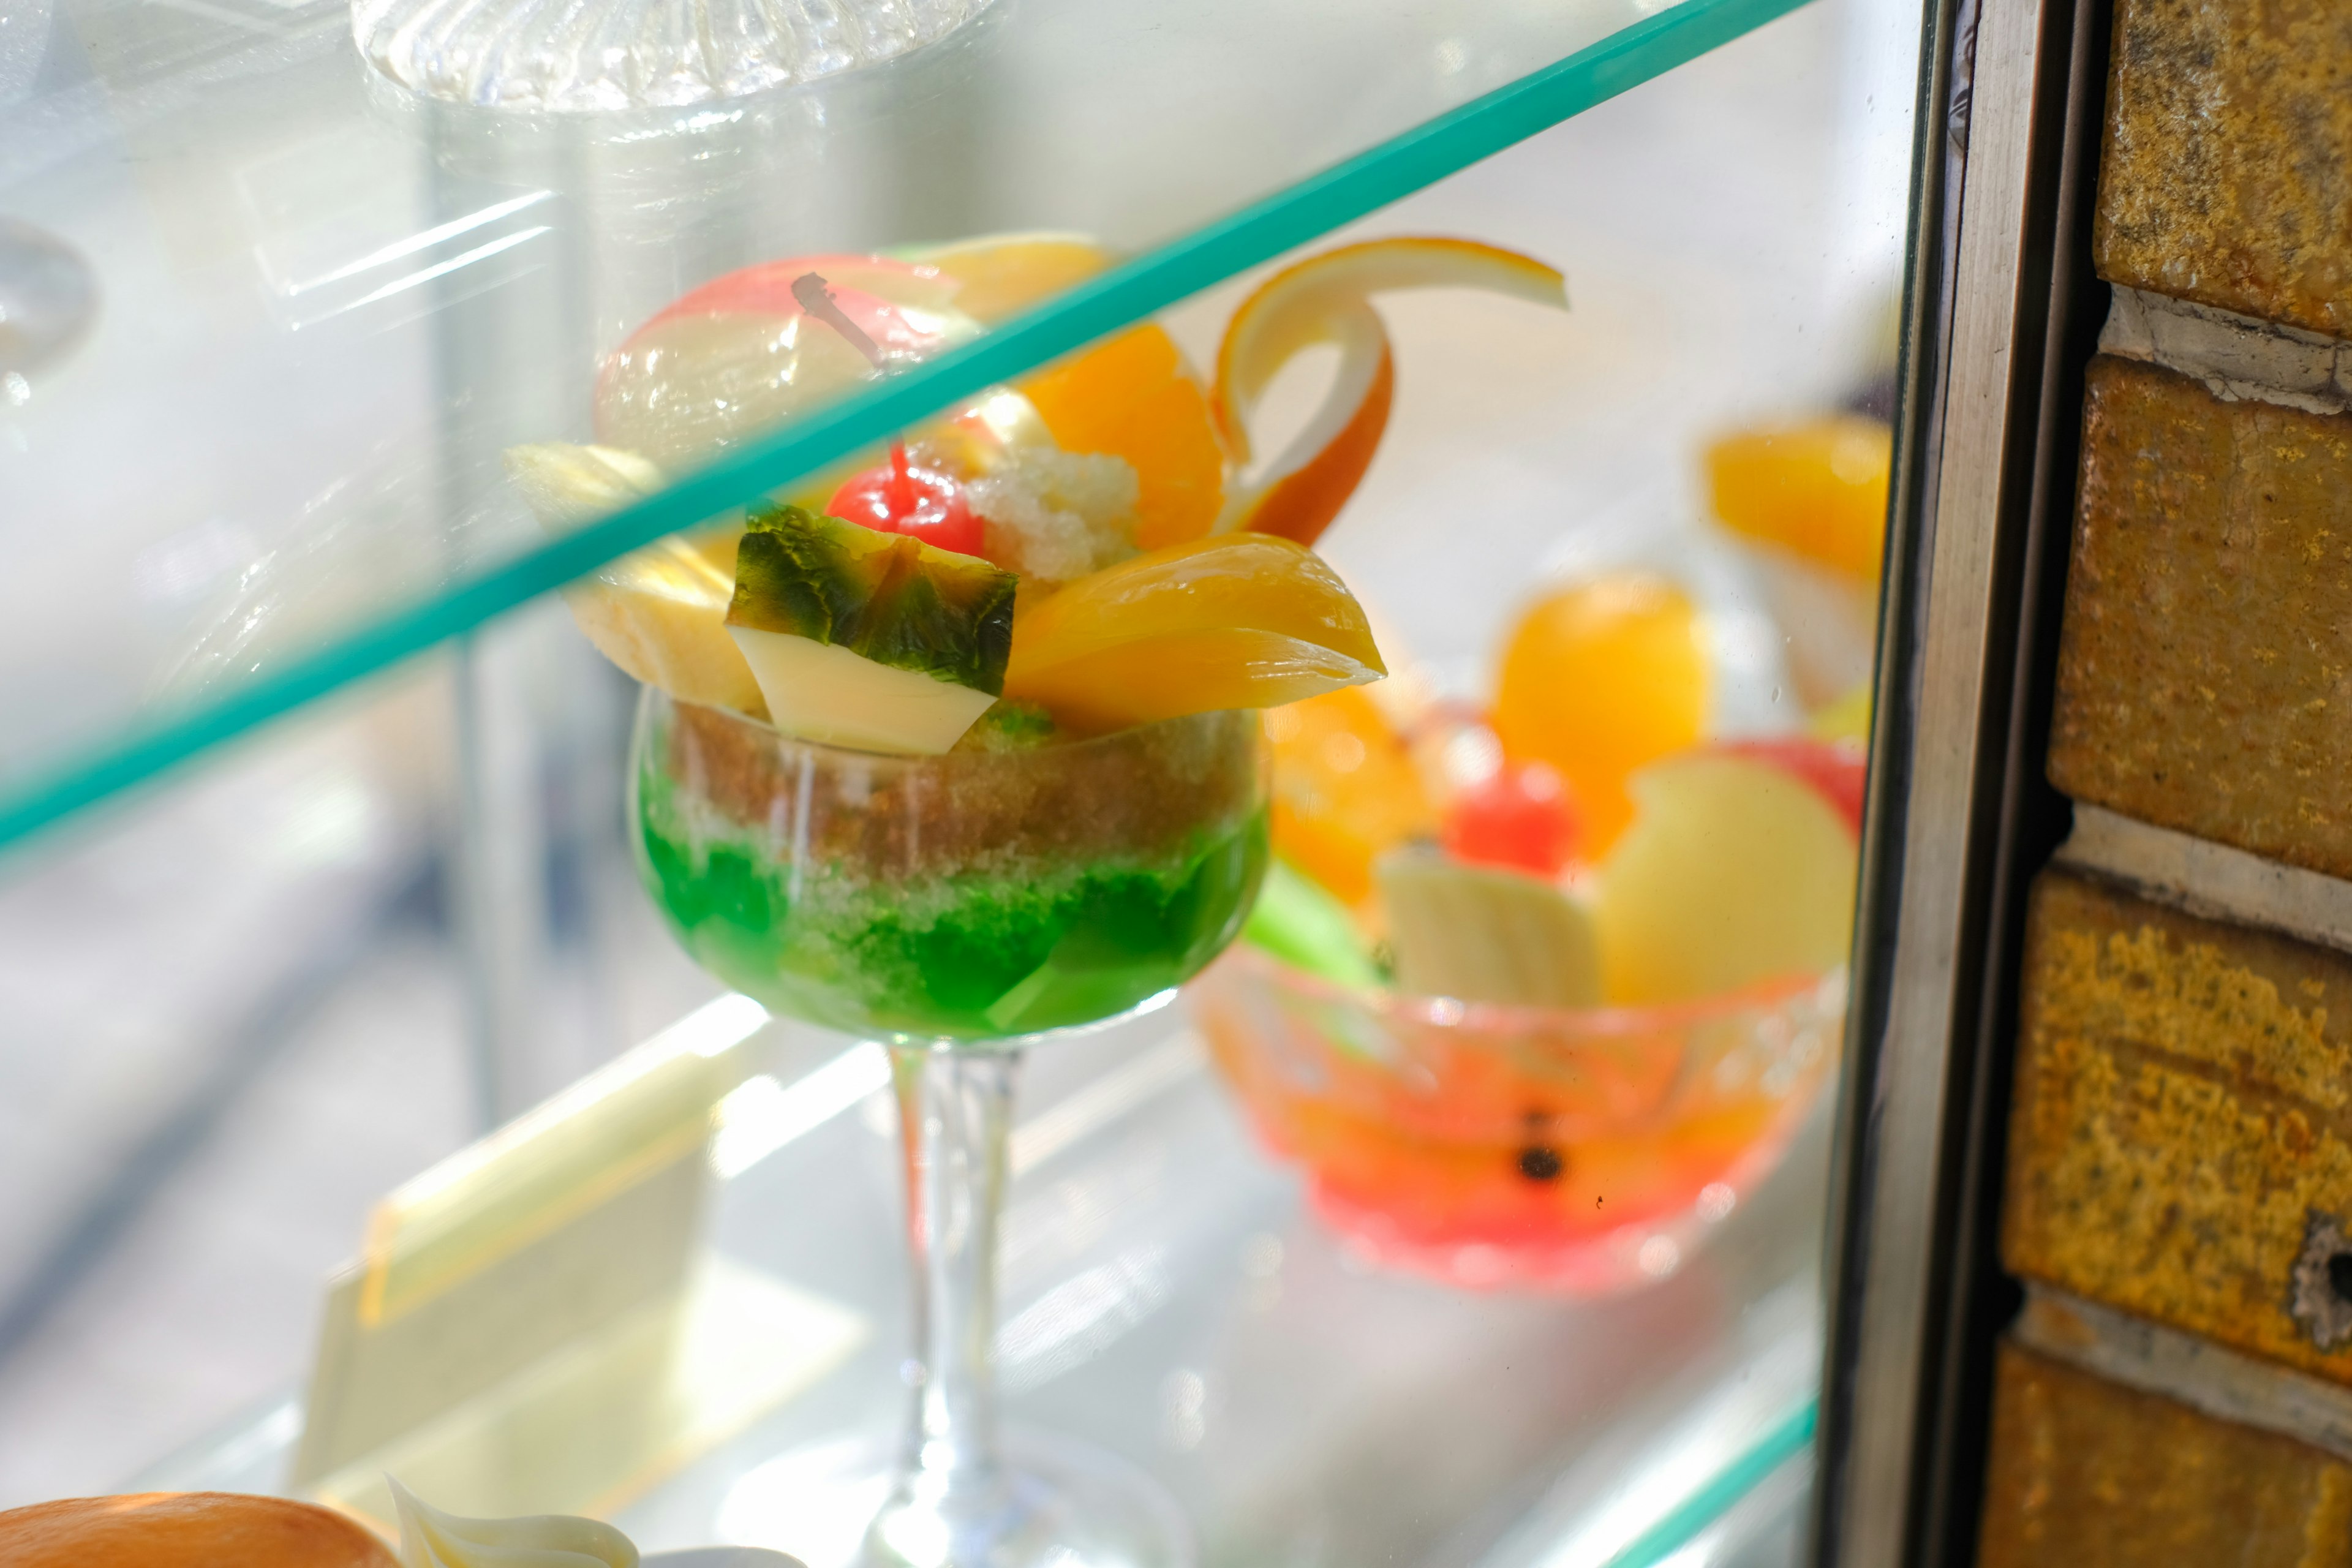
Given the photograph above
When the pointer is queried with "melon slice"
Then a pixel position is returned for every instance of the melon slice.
(872, 640)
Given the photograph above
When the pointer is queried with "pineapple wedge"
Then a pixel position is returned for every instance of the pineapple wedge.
(1480, 934)
(659, 612)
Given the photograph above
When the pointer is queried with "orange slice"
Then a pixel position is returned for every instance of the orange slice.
(1243, 621)
(1133, 396)
(1346, 788)
(1818, 490)
(1325, 300)
(1600, 680)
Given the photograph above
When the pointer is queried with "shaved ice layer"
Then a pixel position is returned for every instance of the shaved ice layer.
(1054, 515)
(967, 897)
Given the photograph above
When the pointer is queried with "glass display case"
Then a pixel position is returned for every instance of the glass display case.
(365, 1109)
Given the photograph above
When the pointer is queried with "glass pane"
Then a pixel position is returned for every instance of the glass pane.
(1318, 1365)
(269, 463)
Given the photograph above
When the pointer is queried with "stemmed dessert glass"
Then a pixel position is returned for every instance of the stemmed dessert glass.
(959, 906)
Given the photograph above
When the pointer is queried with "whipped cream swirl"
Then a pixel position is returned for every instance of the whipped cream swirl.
(431, 1539)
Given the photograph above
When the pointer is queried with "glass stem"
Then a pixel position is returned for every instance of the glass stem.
(955, 1110)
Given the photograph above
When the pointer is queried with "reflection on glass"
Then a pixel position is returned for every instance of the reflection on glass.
(47, 299)
(630, 54)
(957, 905)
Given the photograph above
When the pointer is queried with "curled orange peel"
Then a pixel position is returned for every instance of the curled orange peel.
(1326, 298)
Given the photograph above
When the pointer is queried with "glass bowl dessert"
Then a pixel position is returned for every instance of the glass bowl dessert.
(1579, 1150)
(969, 896)
(956, 746)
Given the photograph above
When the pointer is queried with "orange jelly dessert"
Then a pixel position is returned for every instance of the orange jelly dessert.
(1596, 977)
(1575, 1149)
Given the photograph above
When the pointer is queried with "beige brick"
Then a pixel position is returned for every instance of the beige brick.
(2087, 1473)
(2205, 670)
(2226, 177)
(2181, 1142)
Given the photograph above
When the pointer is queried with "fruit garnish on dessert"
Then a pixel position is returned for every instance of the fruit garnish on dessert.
(1346, 789)
(1598, 680)
(1738, 868)
(431, 1539)
(1468, 865)
(1298, 921)
(744, 352)
(1808, 500)
(1519, 817)
(1326, 298)
(899, 497)
(868, 639)
(1487, 934)
(1055, 541)
(1234, 621)
(659, 612)
(1835, 767)
(1816, 488)
(1132, 396)
(177, 1529)
(999, 276)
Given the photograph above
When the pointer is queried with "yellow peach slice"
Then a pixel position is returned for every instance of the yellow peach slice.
(1236, 621)
(1001, 275)
(1326, 299)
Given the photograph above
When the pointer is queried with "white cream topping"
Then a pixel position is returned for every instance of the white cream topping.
(431, 1539)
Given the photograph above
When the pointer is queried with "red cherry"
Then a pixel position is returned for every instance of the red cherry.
(1520, 818)
(1836, 768)
(899, 497)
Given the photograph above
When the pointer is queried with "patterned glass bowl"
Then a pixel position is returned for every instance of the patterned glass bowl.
(1581, 1151)
(575, 55)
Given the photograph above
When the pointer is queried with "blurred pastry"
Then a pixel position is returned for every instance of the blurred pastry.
(184, 1530)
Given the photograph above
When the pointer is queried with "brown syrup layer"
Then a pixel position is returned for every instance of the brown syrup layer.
(1140, 794)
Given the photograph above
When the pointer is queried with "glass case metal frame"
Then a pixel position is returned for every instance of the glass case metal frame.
(2001, 313)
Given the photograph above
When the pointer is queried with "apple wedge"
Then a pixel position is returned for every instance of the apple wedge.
(1737, 870)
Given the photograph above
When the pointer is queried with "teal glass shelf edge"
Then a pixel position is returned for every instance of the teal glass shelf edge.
(1683, 1524)
(1117, 298)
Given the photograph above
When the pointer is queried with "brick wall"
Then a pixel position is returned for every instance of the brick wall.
(2179, 1199)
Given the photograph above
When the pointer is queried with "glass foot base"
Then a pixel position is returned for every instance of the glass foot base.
(1055, 1500)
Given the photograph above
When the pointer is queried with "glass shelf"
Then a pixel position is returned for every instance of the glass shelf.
(271, 467)
(1170, 1296)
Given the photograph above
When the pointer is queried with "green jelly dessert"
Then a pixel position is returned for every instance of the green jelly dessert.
(987, 893)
